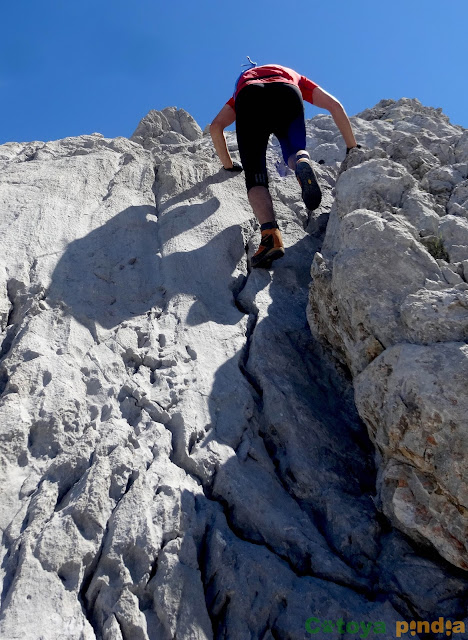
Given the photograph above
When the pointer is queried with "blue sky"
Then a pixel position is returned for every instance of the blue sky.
(73, 67)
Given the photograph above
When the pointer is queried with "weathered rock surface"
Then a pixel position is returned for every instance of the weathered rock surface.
(180, 458)
(418, 421)
(389, 296)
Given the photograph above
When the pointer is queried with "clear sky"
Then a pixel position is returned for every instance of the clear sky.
(69, 67)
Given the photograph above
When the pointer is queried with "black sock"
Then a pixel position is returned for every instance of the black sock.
(269, 225)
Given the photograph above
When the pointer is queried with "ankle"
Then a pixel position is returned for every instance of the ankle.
(269, 225)
(302, 156)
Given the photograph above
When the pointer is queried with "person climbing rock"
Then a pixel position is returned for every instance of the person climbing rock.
(268, 99)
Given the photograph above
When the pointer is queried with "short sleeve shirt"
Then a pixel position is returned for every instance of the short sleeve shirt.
(274, 73)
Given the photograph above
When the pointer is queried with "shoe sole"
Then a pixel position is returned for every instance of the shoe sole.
(265, 261)
(311, 194)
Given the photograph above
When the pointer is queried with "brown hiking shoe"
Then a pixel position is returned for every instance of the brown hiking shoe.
(271, 248)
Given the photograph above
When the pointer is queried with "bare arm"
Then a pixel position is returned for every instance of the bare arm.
(225, 117)
(325, 100)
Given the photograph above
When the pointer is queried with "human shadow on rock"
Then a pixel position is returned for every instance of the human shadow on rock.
(198, 190)
(206, 275)
(185, 217)
(113, 273)
(116, 272)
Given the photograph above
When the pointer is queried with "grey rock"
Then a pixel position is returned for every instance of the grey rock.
(328, 153)
(392, 271)
(355, 299)
(458, 203)
(418, 208)
(453, 231)
(169, 126)
(376, 185)
(406, 149)
(413, 573)
(406, 403)
(451, 276)
(436, 316)
(461, 148)
(179, 457)
(441, 181)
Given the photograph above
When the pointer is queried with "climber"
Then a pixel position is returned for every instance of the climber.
(269, 99)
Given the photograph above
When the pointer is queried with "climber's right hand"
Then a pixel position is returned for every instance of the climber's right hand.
(348, 149)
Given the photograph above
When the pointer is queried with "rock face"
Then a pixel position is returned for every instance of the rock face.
(180, 458)
(390, 297)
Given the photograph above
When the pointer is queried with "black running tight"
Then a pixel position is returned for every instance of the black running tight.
(263, 109)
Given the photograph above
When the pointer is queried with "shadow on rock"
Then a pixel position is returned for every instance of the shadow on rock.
(185, 218)
(117, 272)
(281, 404)
(199, 190)
(206, 275)
(303, 477)
(113, 273)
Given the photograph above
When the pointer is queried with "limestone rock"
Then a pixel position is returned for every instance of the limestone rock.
(413, 398)
(453, 232)
(168, 126)
(436, 316)
(458, 203)
(407, 150)
(179, 457)
(356, 302)
(376, 184)
(389, 296)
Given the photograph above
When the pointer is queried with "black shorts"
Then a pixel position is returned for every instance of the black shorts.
(263, 109)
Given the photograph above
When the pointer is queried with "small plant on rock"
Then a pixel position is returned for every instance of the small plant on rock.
(435, 246)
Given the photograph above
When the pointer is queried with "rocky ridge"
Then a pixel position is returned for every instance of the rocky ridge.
(180, 458)
(390, 296)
